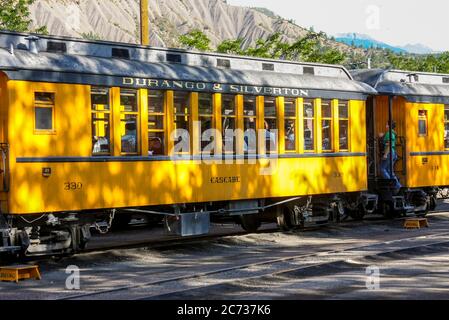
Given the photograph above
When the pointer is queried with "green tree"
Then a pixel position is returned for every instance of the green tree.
(195, 39)
(231, 47)
(15, 16)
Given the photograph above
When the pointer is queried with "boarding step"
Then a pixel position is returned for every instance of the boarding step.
(19, 272)
(416, 223)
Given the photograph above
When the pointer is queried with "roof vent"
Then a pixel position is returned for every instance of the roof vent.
(32, 44)
(445, 79)
(59, 47)
(120, 53)
(268, 66)
(173, 58)
(309, 70)
(224, 63)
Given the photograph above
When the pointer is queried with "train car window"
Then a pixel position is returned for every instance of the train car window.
(101, 121)
(129, 116)
(228, 116)
(422, 122)
(206, 118)
(156, 123)
(446, 126)
(343, 123)
(249, 124)
(309, 125)
(182, 108)
(290, 124)
(270, 125)
(326, 121)
(44, 105)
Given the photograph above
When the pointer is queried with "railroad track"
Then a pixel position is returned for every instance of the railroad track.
(176, 241)
(198, 284)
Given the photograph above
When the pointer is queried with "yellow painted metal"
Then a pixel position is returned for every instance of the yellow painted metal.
(141, 183)
(218, 122)
(144, 23)
(128, 184)
(336, 126)
(170, 122)
(281, 124)
(300, 125)
(260, 123)
(239, 127)
(195, 127)
(116, 121)
(143, 107)
(318, 127)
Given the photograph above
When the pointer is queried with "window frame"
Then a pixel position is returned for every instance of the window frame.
(254, 117)
(138, 129)
(314, 122)
(290, 118)
(426, 119)
(348, 120)
(93, 112)
(331, 130)
(233, 116)
(189, 117)
(51, 131)
(162, 114)
(210, 116)
(276, 121)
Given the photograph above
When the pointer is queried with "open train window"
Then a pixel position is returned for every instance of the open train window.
(309, 125)
(422, 123)
(182, 108)
(129, 120)
(249, 124)
(44, 112)
(270, 125)
(206, 117)
(229, 122)
(156, 122)
(327, 125)
(101, 121)
(343, 125)
(446, 127)
(290, 124)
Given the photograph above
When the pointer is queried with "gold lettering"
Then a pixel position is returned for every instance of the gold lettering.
(128, 81)
(153, 83)
(141, 82)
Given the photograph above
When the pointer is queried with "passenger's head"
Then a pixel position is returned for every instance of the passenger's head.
(393, 125)
(130, 126)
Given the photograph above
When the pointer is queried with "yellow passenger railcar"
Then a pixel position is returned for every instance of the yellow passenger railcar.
(418, 103)
(96, 130)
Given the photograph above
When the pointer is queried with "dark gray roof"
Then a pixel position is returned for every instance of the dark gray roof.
(415, 86)
(55, 67)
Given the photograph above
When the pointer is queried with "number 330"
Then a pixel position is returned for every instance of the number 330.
(73, 186)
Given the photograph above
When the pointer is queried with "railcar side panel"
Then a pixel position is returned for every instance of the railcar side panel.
(83, 186)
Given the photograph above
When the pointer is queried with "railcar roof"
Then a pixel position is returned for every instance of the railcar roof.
(415, 86)
(92, 63)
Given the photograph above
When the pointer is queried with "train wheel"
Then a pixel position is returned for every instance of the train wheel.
(250, 222)
(283, 217)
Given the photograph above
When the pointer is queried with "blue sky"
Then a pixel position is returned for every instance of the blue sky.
(397, 22)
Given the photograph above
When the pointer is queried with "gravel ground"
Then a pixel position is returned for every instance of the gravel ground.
(418, 274)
